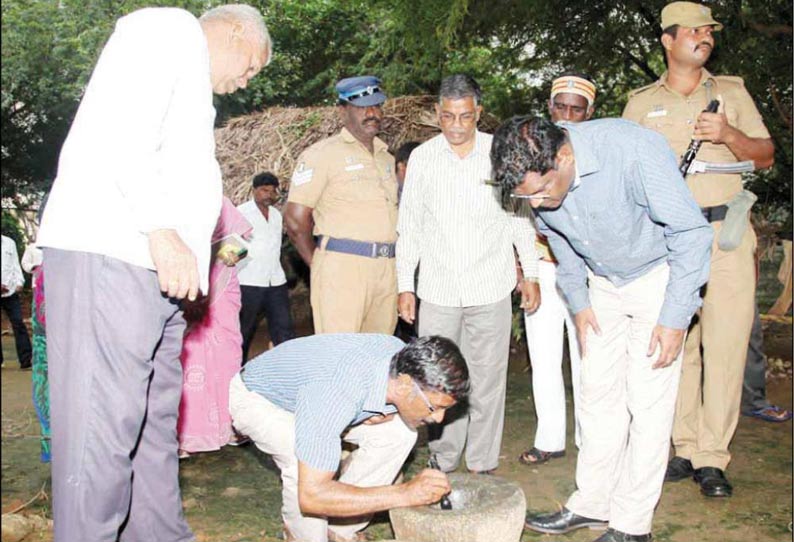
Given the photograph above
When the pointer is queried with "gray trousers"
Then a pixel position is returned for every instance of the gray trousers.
(754, 386)
(483, 335)
(113, 345)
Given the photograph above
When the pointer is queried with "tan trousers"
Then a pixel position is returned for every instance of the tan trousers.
(625, 407)
(382, 450)
(715, 353)
(353, 294)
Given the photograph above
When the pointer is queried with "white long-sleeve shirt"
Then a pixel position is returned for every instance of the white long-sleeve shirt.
(140, 154)
(451, 223)
(262, 266)
(11, 272)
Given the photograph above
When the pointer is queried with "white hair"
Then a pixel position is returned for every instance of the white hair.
(250, 18)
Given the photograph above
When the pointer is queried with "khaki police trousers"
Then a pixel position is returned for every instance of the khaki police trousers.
(353, 294)
(710, 392)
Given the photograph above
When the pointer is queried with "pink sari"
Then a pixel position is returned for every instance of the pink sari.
(212, 351)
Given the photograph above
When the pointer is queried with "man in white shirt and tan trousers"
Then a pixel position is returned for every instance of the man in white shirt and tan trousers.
(263, 284)
(451, 221)
(126, 236)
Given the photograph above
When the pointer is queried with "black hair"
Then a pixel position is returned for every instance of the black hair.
(436, 364)
(265, 179)
(460, 85)
(523, 144)
(404, 152)
(671, 30)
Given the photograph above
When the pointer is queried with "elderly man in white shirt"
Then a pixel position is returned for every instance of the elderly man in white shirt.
(263, 284)
(452, 222)
(12, 282)
(126, 236)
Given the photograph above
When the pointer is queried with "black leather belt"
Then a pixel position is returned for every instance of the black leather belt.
(714, 214)
(359, 248)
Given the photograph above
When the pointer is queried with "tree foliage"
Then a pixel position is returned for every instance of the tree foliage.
(513, 47)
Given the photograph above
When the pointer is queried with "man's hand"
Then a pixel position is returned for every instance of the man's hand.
(583, 320)
(176, 266)
(530, 295)
(3, 288)
(669, 341)
(406, 306)
(427, 487)
(713, 127)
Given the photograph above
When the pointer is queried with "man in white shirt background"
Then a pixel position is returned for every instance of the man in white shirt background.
(263, 284)
(452, 225)
(12, 282)
(126, 236)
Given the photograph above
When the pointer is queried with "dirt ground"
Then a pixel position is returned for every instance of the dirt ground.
(234, 494)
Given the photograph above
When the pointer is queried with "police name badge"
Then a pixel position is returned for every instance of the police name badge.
(658, 111)
(301, 175)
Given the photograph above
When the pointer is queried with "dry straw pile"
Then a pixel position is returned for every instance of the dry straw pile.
(272, 140)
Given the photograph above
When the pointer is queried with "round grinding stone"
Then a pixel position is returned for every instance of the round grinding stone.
(484, 509)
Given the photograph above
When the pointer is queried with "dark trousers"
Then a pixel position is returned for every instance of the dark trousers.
(271, 302)
(754, 386)
(113, 343)
(13, 309)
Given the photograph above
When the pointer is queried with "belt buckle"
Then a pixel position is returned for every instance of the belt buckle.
(383, 250)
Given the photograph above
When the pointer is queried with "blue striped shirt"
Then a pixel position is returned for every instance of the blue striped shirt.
(629, 212)
(329, 382)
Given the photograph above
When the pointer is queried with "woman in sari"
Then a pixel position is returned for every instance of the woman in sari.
(212, 351)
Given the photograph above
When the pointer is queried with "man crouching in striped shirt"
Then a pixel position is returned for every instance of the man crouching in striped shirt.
(298, 401)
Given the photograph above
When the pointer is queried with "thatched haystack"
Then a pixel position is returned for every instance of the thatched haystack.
(272, 140)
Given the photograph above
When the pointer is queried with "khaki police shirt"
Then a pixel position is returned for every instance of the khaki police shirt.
(664, 110)
(353, 192)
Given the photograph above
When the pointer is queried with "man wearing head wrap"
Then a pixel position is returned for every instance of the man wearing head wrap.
(571, 100)
(708, 404)
(341, 215)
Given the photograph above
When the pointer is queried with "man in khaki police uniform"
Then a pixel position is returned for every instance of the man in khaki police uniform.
(673, 106)
(344, 191)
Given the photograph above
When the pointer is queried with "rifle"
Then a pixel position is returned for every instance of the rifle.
(694, 145)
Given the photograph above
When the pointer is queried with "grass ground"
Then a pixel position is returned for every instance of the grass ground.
(234, 494)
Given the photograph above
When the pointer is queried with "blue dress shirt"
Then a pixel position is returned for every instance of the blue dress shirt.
(630, 212)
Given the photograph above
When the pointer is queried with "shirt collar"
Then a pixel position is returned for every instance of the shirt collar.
(375, 401)
(481, 146)
(585, 161)
(705, 75)
(377, 144)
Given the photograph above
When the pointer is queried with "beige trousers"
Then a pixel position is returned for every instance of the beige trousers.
(382, 450)
(715, 352)
(625, 406)
(353, 294)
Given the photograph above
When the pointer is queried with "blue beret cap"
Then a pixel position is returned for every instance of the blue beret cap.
(362, 91)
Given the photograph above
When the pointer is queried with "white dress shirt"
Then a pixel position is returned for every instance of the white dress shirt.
(140, 154)
(453, 223)
(262, 266)
(11, 272)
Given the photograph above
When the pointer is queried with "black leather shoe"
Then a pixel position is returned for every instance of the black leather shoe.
(677, 469)
(562, 522)
(618, 536)
(713, 482)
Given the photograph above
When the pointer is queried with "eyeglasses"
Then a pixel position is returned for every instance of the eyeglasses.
(531, 196)
(369, 91)
(424, 398)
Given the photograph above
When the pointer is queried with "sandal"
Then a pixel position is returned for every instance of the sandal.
(533, 456)
(771, 413)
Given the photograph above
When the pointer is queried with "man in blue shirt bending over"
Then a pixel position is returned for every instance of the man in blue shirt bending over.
(633, 251)
(298, 401)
